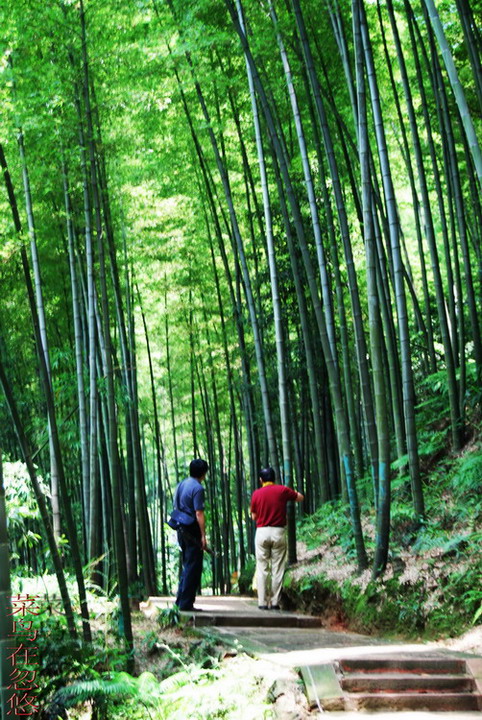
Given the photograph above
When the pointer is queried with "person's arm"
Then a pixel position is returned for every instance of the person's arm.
(291, 494)
(202, 525)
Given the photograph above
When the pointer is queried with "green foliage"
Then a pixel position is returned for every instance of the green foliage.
(433, 580)
(63, 659)
(389, 606)
(404, 526)
(245, 578)
(21, 504)
(120, 695)
(458, 600)
(330, 520)
(467, 481)
(477, 615)
(205, 652)
(103, 692)
(169, 617)
(73, 673)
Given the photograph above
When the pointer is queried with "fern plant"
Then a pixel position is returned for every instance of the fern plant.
(101, 693)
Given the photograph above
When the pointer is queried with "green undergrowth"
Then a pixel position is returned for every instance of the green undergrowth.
(432, 586)
(174, 662)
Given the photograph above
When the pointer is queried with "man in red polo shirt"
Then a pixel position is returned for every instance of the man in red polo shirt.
(268, 509)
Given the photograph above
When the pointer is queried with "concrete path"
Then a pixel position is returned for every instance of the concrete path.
(298, 641)
(294, 645)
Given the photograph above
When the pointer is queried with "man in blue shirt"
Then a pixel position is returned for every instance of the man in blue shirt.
(189, 499)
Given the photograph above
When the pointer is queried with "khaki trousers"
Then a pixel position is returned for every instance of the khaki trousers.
(271, 551)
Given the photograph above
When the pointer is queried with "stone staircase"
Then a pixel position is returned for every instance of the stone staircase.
(419, 682)
(231, 611)
(254, 618)
(344, 671)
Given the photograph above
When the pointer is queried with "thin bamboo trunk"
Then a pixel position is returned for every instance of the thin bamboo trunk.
(400, 298)
(248, 400)
(453, 174)
(276, 303)
(456, 88)
(307, 174)
(308, 344)
(224, 495)
(157, 441)
(473, 42)
(427, 325)
(119, 542)
(91, 489)
(54, 479)
(232, 405)
(376, 340)
(49, 399)
(79, 359)
(177, 474)
(436, 270)
(360, 344)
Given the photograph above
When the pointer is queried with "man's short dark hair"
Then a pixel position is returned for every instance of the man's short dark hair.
(267, 475)
(198, 468)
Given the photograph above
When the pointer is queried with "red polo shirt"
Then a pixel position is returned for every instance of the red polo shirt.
(268, 503)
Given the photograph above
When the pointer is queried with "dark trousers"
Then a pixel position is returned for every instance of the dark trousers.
(192, 565)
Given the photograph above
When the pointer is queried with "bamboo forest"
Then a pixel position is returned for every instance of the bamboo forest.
(248, 231)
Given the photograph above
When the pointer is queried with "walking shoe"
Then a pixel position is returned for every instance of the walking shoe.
(263, 607)
(275, 607)
(191, 609)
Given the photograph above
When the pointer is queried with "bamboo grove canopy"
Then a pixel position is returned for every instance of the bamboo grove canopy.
(245, 231)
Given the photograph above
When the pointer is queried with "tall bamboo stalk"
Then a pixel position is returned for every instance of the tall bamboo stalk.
(400, 298)
(79, 359)
(119, 542)
(276, 302)
(158, 445)
(334, 174)
(456, 88)
(376, 340)
(51, 414)
(455, 415)
(54, 479)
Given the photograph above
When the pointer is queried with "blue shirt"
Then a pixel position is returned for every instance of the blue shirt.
(189, 496)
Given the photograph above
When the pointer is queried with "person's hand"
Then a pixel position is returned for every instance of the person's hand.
(204, 542)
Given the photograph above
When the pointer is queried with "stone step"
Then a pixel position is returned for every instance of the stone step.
(432, 702)
(434, 682)
(414, 664)
(403, 682)
(257, 618)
